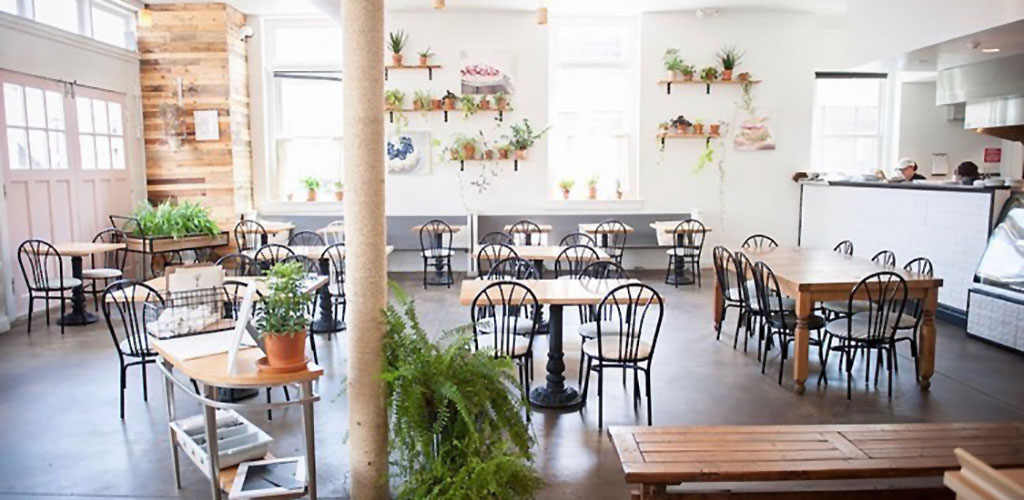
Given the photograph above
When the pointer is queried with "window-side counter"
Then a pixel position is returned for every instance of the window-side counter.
(949, 224)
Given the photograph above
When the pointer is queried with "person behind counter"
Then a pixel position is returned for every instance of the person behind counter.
(908, 169)
(967, 172)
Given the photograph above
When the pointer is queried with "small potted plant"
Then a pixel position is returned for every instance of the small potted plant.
(488, 154)
(464, 147)
(729, 57)
(435, 104)
(663, 127)
(743, 77)
(698, 127)
(500, 101)
(283, 321)
(421, 101)
(396, 43)
(618, 189)
(523, 138)
(566, 186)
(709, 74)
(673, 63)
(339, 191)
(394, 99)
(503, 151)
(681, 124)
(485, 102)
(592, 185)
(448, 101)
(715, 128)
(312, 186)
(425, 57)
(469, 105)
(688, 70)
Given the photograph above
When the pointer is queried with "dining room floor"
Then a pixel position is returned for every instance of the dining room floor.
(62, 436)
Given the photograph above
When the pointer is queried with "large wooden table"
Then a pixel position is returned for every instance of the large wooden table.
(77, 251)
(657, 457)
(818, 275)
(555, 393)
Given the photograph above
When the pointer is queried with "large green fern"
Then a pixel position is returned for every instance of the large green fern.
(185, 218)
(457, 420)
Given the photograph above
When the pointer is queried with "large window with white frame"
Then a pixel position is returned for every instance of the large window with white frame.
(109, 21)
(592, 106)
(848, 123)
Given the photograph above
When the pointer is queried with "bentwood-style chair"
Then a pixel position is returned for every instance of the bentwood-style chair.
(270, 254)
(512, 268)
(590, 315)
(505, 319)
(334, 233)
(684, 256)
(625, 340)
(577, 239)
(497, 237)
(306, 239)
(526, 232)
(111, 264)
(436, 238)
(249, 235)
(490, 254)
(885, 258)
(838, 308)
(572, 259)
(780, 321)
(239, 264)
(335, 256)
(43, 269)
(128, 307)
(760, 241)
(909, 323)
(612, 236)
(844, 247)
(726, 266)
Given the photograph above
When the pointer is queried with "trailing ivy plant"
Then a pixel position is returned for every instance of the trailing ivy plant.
(457, 428)
(469, 105)
(185, 218)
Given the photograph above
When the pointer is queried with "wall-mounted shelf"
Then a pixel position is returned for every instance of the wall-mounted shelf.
(430, 69)
(668, 83)
(462, 163)
(707, 137)
(391, 113)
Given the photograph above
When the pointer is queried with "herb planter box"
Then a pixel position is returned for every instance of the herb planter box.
(159, 244)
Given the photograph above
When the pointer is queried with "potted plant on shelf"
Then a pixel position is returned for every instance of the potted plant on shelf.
(729, 57)
(339, 191)
(396, 43)
(283, 321)
(425, 57)
(421, 101)
(448, 101)
(688, 70)
(523, 138)
(715, 128)
(592, 185)
(709, 74)
(394, 99)
(312, 185)
(673, 63)
(698, 127)
(469, 105)
(743, 77)
(501, 101)
(566, 186)
(485, 102)
(435, 104)
(503, 150)
(618, 189)
(681, 124)
(463, 147)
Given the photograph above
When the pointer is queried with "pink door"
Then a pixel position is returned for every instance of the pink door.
(64, 163)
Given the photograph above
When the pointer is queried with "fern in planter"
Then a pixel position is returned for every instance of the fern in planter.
(456, 416)
(186, 218)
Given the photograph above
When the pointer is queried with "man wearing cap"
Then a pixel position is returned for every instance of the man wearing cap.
(908, 169)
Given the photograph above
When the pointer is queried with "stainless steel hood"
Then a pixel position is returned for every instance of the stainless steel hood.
(994, 93)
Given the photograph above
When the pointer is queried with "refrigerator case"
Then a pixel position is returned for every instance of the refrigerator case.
(995, 304)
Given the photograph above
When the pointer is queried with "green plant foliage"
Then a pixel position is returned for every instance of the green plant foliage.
(707, 157)
(566, 184)
(311, 183)
(729, 56)
(709, 74)
(688, 70)
(672, 60)
(284, 306)
(592, 180)
(426, 53)
(422, 98)
(186, 218)
(469, 105)
(456, 416)
(523, 135)
(397, 41)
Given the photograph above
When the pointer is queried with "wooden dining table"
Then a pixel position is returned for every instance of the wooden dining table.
(818, 275)
(79, 315)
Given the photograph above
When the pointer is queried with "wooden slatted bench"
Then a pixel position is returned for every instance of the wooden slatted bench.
(658, 458)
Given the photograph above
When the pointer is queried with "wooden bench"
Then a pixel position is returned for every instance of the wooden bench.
(851, 457)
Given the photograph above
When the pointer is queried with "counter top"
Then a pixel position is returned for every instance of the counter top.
(926, 186)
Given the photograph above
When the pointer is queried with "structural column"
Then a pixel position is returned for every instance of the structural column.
(365, 237)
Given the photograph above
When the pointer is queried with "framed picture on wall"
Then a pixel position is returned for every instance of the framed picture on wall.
(487, 72)
(755, 133)
(408, 153)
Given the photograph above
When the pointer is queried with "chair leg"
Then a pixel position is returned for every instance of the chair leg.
(913, 352)
(579, 373)
(767, 346)
(123, 385)
(270, 416)
(718, 327)
(736, 336)
(696, 272)
(424, 273)
(600, 397)
(31, 303)
(312, 345)
(586, 380)
(63, 311)
(784, 345)
(47, 308)
(891, 355)
(145, 390)
(647, 380)
(849, 374)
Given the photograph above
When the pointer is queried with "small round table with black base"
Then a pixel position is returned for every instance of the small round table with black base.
(555, 394)
(325, 321)
(79, 315)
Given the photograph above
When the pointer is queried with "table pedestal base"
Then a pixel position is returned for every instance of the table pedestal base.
(681, 277)
(566, 399)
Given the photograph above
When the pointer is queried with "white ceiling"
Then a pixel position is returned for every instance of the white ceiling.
(1008, 38)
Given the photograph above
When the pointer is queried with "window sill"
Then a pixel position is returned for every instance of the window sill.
(594, 205)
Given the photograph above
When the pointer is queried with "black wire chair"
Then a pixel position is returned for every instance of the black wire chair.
(909, 324)
(760, 241)
(436, 250)
(635, 315)
(505, 316)
(309, 266)
(306, 239)
(780, 322)
(249, 235)
(885, 258)
(270, 254)
(726, 266)
(492, 253)
(577, 239)
(526, 232)
(512, 268)
(335, 256)
(111, 265)
(497, 237)
(684, 256)
(133, 305)
(870, 330)
(612, 234)
(42, 266)
(573, 259)
(844, 247)
(239, 264)
(590, 314)
(747, 290)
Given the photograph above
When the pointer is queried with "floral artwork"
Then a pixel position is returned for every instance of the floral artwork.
(408, 153)
(754, 133)
(487, 73)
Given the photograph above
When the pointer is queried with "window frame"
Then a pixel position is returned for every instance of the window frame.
(126, 8)
(882, 136)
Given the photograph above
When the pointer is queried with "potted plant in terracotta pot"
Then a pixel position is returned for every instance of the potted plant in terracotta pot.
(523, 138)
(743, 77)
(425, 57)
(435, 104)
(673, 63)
(283, 323)
(421, 101)
(688, 70)
(312, 186)
(566, 186)
(592, 185)
(448, 101)
(465, 147)
(469, 105)
(484, 103)
(729, 57)
(715, 128)
(500, 101)
(396, 43)
(488, 154)
(698, 126)
(339, 191)
(503, 151)
(663, 127)
(680, 124)
(709, 74)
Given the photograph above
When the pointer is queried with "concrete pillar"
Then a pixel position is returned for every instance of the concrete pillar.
(365, 237)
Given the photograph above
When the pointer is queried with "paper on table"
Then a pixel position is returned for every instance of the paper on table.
(244, 315)
(207, 344)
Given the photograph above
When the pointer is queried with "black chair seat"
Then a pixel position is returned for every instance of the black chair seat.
(788, 320)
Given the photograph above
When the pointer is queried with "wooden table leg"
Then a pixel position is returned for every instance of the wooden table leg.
(926, 351)
(653, 492)
(718, 304)
(802, 340)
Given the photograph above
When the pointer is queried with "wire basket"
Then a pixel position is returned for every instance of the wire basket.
(190, 312)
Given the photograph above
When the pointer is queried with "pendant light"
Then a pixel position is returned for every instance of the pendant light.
(438, 4)
(144, 18)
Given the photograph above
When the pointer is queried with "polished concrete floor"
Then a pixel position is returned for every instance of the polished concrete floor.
(61, 435)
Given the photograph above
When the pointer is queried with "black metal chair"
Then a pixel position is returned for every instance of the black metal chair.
(577, 239)
(760, 241)
(885, 258)
(844, 247)
(612, 235)
(870, 330)
(436, 250)
(909, 324)
(306, 239)
(526, 232)
(492, 253)
(133, 305)
(635, 312)
(726, 273)
(780, 322)
(497, 237)
(604, 270)
(249, 235)
(684, 256)
(573, 259)
(505, 319)
(589, 314)
(43, 269)
(272, 253)
(239, 264)
(309, 266)
(335, 256)
(111, 265)
(838, 308)
(512, 268)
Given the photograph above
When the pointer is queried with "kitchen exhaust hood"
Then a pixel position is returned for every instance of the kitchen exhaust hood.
(993, 92)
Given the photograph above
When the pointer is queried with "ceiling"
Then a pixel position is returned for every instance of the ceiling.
(1008, 38)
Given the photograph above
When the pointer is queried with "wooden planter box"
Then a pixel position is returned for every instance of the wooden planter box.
(160, 244)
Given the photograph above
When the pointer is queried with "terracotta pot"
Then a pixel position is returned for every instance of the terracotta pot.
(593, 193)
(688, 78)
(423, 60)
(698, 128)
(671, 75)
(726, 75)
(469, 151)
(435, 104)
(339, 195)
(485, 104)
(396, 59)
(285, 350)
(449, 104)
(520, 154)
(417, 106)
(565, 193)
(311, 195)
(502, 154)
(488, 154)
(618, 193)
(681, 129)
(501, 103)
(715, 128)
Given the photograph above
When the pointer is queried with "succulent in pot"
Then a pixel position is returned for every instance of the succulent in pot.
(729, 56)
(523, 138)
(421, 100)
(484, 103)
(448, 101)
(425, 56)
(743, 77)
(592, 185)
(283, 323)
(503, 150)
(312, 185)
(339, 191)
(396, 43)
(566, 186)
(715, 128)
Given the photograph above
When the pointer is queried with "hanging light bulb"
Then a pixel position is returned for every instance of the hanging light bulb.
(542, 12)
(438, 4)
(145, 18)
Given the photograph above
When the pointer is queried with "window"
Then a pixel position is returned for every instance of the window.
(593, 88)
(100, 134)
(35, 128)
(848, 126)
(112, 25)
(9, 6)
(61, 14)
(104, 20)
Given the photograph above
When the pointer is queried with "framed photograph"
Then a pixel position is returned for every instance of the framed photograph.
(207, 125)
(408, 153)
(270, 478)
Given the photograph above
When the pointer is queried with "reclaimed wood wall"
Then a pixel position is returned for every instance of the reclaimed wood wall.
(200, 43)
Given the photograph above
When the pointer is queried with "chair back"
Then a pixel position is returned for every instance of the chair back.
(604, 270)
(497, 237)
(41, 265)
(110, 260)
(249, 235)
(887, 293)
(760, 241)
(334, 233)
(688, 239)
(921, 266)
(636, 310)
(512, 268)
(526, 232)
(234, 292)
(436, 238)
(614, 233)
(510, 311)
(577, 239)
(238, 264)
(744, 271)
(306, 239)
(491, 254)
(726, 268)
(844, 247)
(572, 259)
(885, 258)
(769, 295)
(133, 305)
(272, 253)
(335, 255)
(309, 266)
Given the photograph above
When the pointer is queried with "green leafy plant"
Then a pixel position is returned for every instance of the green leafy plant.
(688, 70)
(707, 157)
(566, 184)
(523, 135)
(460, 144)
(185, 218)
(284, 304)
(709, 74)
(394, 99)
(729, 56)
(311, 183)
(469, 105)
(397, 41)
(422, 99)
(338, 186)
(672, 61)
(457, 429)
(592, 180)
(502, 101)
(425, 53)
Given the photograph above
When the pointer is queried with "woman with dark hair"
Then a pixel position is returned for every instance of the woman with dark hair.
(967, 172)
